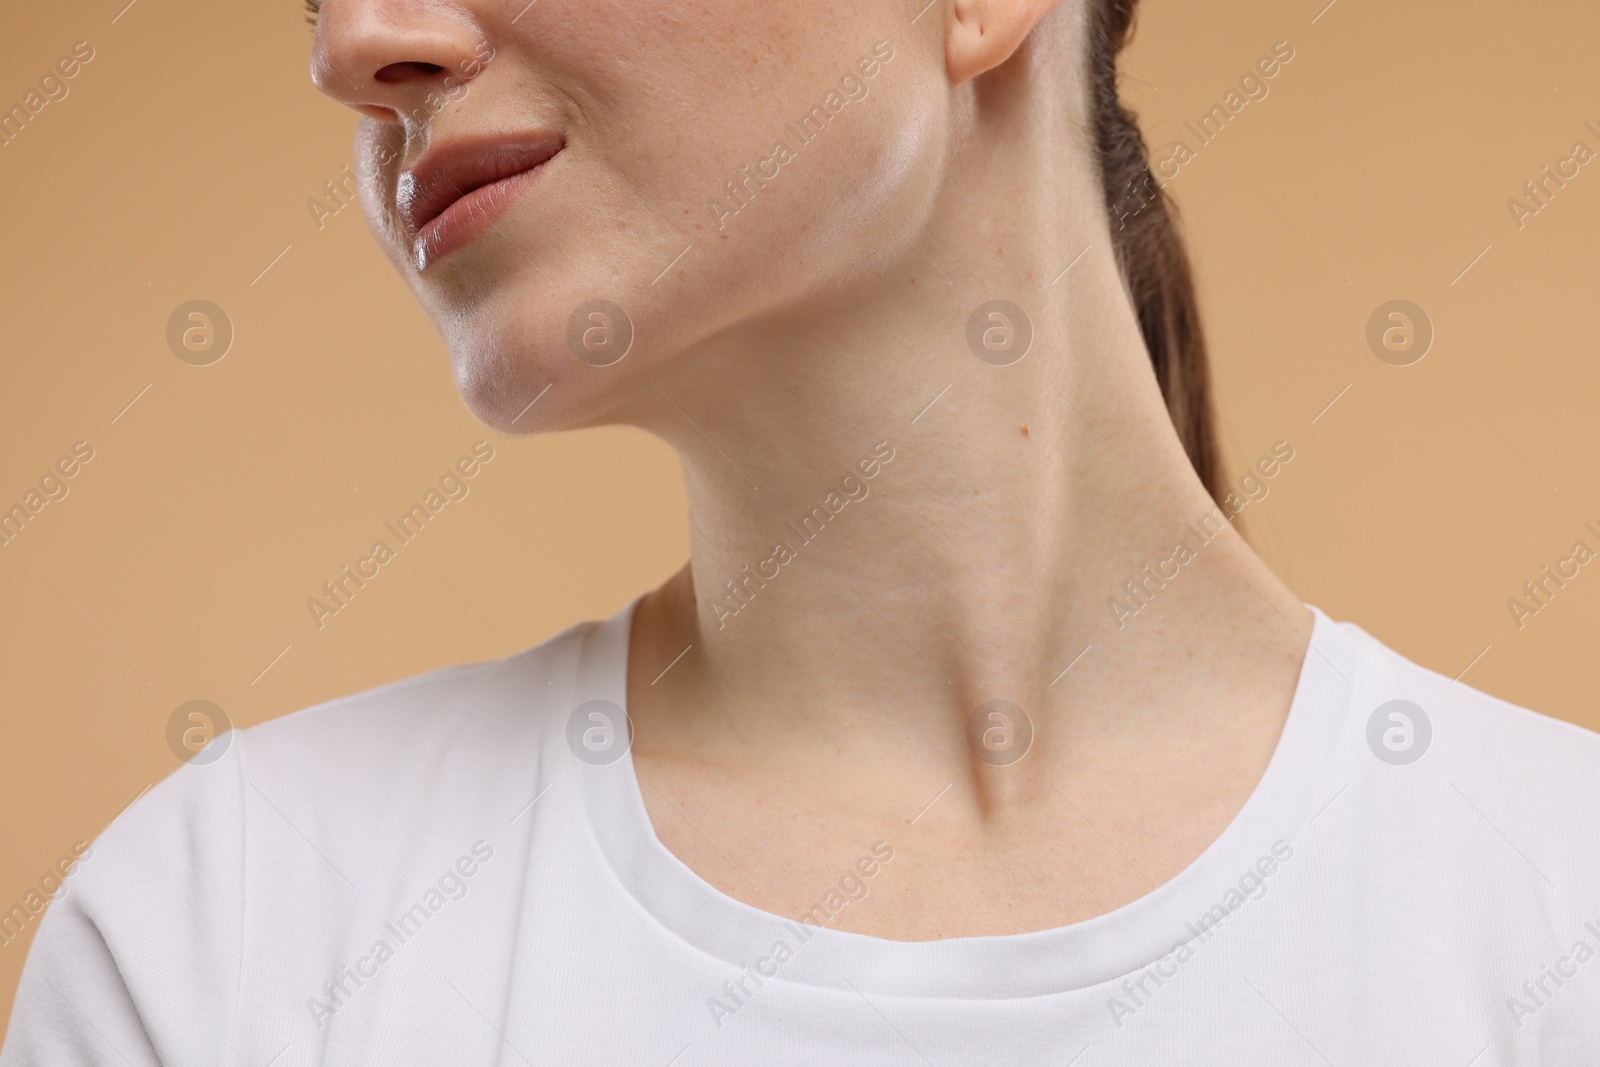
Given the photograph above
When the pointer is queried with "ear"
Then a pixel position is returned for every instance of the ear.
(984, 33)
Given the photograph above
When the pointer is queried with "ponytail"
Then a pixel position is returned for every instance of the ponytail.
(1149, 248)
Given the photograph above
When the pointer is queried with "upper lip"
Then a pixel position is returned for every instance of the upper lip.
(452, 169)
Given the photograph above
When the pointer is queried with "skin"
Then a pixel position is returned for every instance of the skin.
(832, 710)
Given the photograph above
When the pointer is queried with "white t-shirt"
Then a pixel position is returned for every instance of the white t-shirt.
(459, 869)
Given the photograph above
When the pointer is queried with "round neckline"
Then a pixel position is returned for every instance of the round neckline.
(1036, 963)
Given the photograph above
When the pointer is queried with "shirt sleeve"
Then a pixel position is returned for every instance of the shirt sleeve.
(137, 962)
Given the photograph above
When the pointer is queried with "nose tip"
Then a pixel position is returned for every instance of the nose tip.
(384, 57)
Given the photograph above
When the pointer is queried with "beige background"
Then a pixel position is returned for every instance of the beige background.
(180, 166)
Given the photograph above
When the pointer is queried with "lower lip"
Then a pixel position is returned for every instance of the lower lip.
(469, 217)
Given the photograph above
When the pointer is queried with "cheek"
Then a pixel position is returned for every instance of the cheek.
(779, 206)
(685, 136)
(658, 127)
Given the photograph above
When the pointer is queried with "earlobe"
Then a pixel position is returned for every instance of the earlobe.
(984, 33)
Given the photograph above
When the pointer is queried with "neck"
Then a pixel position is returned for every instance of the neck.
(888, 531)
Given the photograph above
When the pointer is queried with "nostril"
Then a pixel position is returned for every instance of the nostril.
(403, 72)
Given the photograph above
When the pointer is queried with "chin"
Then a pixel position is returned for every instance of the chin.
(499, 380)
(572, 342)
(519, 378)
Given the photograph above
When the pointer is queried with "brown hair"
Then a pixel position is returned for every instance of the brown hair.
(1149, 247)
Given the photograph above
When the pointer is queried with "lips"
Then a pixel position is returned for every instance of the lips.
(453, 195)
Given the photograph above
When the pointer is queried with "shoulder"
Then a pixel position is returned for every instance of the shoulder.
(450, 743)
(465, 712)
(1470, 724)
(1463, 770)
(329, 808)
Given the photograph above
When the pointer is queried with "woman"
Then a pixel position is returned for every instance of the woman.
(973, 732)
